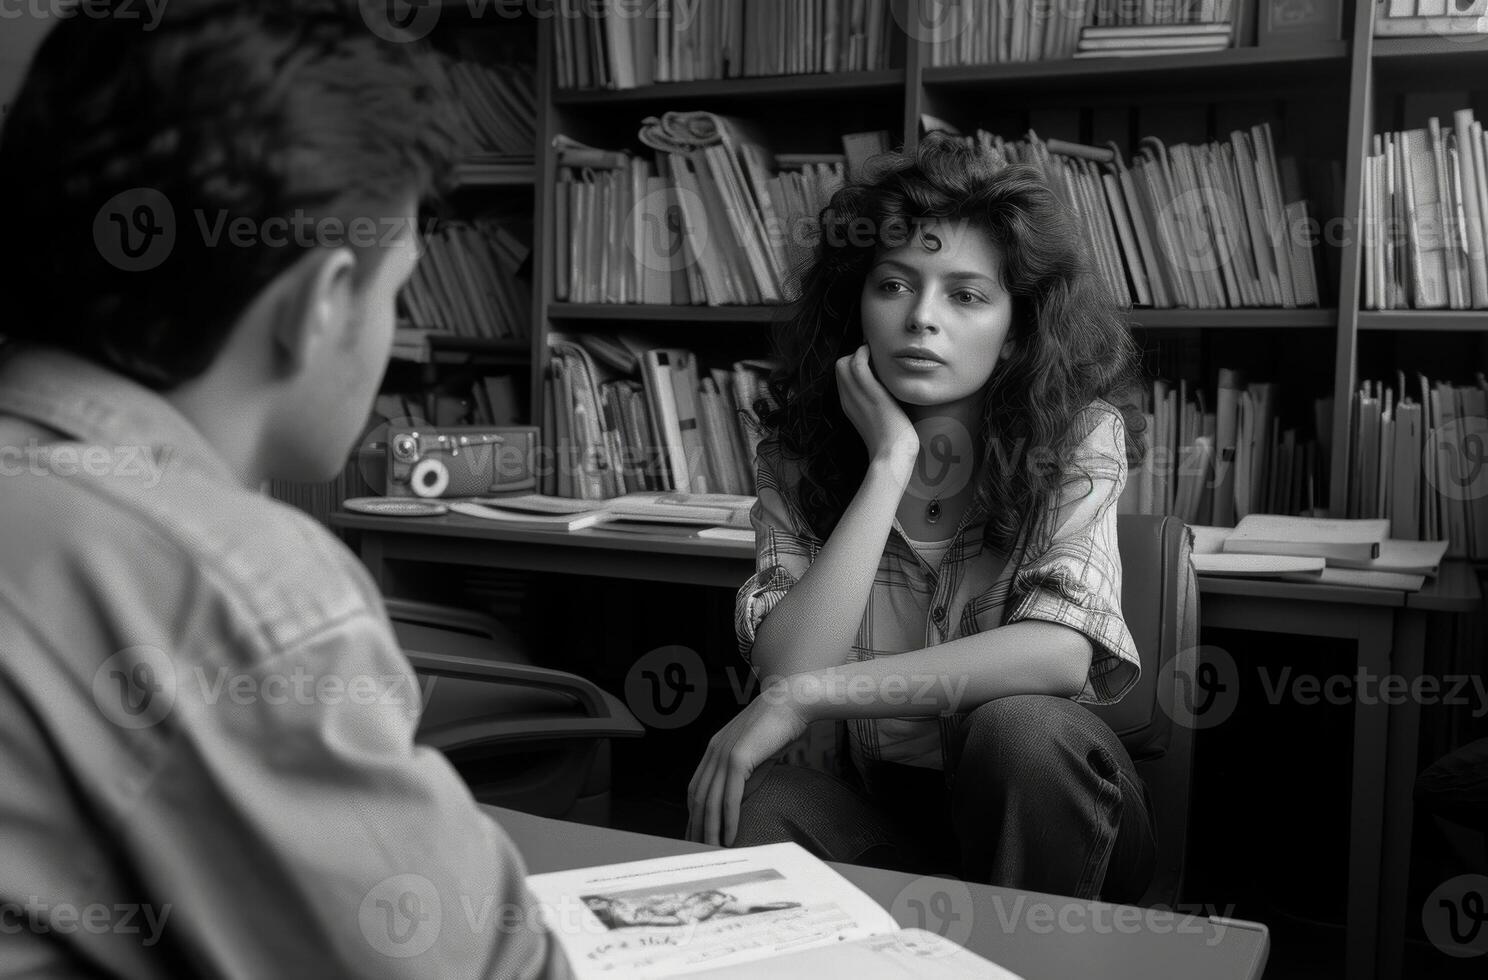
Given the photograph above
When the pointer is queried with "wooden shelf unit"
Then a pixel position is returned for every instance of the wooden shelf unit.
(1355, 67)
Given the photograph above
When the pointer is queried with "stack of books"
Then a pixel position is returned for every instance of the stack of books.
(1141, 40)
(713, 218)
(499, 104)
(979, 32)
(1430, 18)
(1217, 467)
(471, 282)
(1426, 217)
(607, 46)
(1356, 553)
(1418, 457)
(1208, 226)
(624, 417)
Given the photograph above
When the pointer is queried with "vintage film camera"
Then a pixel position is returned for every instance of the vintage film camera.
(460, 461)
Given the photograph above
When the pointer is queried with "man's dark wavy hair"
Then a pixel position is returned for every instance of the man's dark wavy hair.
(1071, 341)
(243, 109)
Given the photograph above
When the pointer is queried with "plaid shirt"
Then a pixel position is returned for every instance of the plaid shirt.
(1064, 568)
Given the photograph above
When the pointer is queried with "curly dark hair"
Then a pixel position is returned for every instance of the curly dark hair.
(238, 113)
(1071, 342)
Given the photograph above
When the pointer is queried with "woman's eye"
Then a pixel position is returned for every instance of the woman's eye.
(890, 286)
(966, 296)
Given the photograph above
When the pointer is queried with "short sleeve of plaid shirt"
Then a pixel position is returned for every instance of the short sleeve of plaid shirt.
(783, 544)
(1071, 568)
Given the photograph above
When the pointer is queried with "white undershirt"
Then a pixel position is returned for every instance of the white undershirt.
(931, 551)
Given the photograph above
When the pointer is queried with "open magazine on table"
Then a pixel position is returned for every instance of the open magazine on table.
(733, 913)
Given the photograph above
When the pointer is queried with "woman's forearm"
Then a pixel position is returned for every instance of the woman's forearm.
(814, 625)
(1030, 657)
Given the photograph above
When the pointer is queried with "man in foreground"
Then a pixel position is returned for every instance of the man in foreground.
(206, 724)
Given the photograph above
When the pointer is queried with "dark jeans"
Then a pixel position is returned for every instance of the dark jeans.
(1043, 798)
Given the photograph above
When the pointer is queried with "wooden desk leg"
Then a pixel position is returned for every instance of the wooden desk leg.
(1400, 779)
(1366, 811)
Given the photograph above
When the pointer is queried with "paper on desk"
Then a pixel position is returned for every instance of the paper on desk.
(908, 954)
(673, 916)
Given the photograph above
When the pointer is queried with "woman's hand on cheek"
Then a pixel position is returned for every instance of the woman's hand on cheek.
(887, 431)
(766, 726)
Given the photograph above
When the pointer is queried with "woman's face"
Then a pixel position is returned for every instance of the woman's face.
(935, 314)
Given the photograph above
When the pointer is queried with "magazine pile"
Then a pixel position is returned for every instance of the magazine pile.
(737, 913)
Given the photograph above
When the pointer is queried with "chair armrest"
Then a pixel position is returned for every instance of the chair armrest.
(605, 716)
(431, 614)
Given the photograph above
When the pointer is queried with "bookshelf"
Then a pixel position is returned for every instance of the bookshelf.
(1113, 98)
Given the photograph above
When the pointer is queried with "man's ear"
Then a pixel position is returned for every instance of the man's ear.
(314, 306)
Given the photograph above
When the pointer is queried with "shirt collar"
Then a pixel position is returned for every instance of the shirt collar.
(95, 406)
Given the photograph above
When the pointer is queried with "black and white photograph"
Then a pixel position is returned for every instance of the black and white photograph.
(568, 489)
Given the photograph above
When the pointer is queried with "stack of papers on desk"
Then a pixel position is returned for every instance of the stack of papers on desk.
(1333, 552)
(682, 514)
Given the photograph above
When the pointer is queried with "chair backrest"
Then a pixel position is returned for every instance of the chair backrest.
(1160, 602)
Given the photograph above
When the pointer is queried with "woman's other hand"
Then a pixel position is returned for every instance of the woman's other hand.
(766, 726)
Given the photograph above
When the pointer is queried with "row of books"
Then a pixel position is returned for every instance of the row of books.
(490, 400)
(1353, 552)
(470, 282)
(1426, 217)
(1143, 40)
(623, 416)
(1430, 18)
(979, 32)
(499, 104)
(1214, 467)
(1416, 457)
(1206, 226)
(615, 46)
(713, 220)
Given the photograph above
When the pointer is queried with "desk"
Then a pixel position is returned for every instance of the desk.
(1018, 930)
(1389, 628)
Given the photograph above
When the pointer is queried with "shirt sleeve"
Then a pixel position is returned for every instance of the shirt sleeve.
(784, 548)
(1071, 571)
(317, 833)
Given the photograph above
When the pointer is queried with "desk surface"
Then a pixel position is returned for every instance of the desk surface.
(1454, 590)
(1036, 936)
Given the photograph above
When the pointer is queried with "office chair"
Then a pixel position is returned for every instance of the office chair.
(1160, 603)
(521, 736)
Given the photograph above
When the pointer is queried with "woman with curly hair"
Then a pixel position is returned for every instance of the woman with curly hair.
(936, 546)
